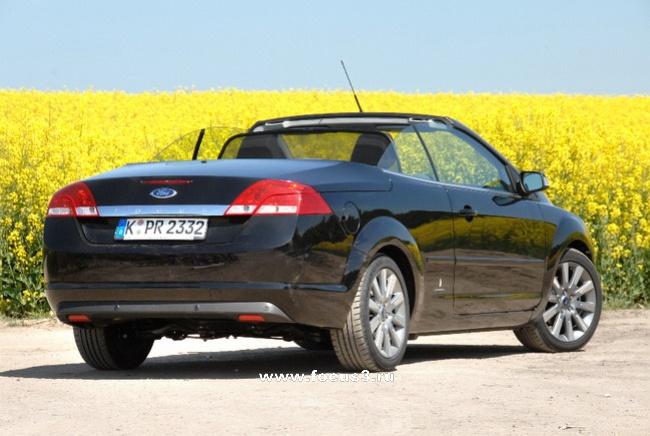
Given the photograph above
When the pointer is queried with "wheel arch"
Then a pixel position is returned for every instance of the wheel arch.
(402, 261)
(387, 236)
(582, 247)
(571, 232)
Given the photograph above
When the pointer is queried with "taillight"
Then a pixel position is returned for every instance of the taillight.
(73, 200)
(279, 197)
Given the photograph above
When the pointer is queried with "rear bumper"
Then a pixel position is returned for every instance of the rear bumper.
(100, 312)
(323, 306)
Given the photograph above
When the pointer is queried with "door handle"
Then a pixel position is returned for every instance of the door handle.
(468, 212)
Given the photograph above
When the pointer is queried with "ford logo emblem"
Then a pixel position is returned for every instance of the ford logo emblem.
(163, 193)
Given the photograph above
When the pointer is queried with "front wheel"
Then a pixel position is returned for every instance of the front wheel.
(113, 347)
(573, 310)
(375, 334)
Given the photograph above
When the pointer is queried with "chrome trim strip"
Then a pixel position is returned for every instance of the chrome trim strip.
(166, 210)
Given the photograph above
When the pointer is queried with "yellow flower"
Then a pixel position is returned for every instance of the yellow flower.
(595, 151)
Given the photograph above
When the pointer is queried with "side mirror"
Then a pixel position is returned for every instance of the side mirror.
(532, 181)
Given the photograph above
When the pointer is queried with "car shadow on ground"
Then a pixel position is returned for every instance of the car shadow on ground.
(250, 364)
(416, 353)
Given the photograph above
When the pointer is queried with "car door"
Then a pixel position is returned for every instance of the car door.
(499, 237)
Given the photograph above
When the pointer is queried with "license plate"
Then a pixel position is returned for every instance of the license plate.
(161, 229)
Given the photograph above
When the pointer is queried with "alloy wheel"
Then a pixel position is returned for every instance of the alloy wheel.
(572, 303)
(387, 311)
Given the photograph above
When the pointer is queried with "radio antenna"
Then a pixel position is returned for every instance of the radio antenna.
(351, 87)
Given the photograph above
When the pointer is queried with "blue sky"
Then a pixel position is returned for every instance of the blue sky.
(536, 47)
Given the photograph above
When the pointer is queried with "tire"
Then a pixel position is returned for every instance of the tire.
(112, 347)
(376, 331)
(573, 309)
(324, 344)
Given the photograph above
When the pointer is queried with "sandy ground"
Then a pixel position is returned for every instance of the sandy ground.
(483, 383)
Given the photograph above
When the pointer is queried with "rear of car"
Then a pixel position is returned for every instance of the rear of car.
(207, 240)
(206, 248)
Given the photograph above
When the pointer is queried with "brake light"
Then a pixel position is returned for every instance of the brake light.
(278, 197)
(167, 182)
(73, 200)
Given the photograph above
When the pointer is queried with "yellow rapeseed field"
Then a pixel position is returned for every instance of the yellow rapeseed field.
(595, 151)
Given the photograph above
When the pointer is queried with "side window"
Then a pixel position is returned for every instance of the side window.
(412, 156)
(459, 159)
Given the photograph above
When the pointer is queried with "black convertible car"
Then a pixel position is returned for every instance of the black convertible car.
(354, 232)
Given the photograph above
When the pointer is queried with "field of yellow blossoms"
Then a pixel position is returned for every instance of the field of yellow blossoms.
(595, 151)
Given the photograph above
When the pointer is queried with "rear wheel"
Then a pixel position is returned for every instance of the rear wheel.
(573, 309)
(113, 347)
(375, 334)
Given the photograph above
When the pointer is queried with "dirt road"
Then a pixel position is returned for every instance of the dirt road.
(463, 384)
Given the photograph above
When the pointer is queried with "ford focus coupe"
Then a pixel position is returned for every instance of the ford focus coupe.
(355, 232)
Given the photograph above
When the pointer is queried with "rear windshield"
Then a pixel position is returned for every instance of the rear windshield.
(362, 147)
(368, 147)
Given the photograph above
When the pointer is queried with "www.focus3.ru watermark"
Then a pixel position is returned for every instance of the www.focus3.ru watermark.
(365, 377)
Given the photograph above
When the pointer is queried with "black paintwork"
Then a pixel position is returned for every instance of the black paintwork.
(472, 258)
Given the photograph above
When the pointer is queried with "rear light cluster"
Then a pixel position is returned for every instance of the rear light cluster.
(266, 197)
(73, 200)
(279, 197)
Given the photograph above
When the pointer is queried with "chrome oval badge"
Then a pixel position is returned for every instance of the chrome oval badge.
(163, 193)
